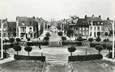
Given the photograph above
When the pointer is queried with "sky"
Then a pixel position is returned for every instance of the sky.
(56, 9)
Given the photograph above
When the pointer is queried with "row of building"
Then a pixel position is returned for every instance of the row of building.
(32, 27)
(23, 27)
(88, 26)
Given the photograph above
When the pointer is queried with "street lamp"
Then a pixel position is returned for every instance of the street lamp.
(1, 57)
(113, 41)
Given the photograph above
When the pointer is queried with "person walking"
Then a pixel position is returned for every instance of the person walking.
(39, 44)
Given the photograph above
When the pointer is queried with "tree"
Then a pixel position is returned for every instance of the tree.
(48, 34)
(5, 47)
(5, 40)
(80, 38)
(46, 39)
(17, 48)
(90, 40)
(69, 33)
(18, 40)
(98, 34)
(11, 40)
(28, 49)
(106, 34)
(110, 32)
(99, 48)
(109, 47)
(63, 38)
(106, 40)
(60, 33)
(98, 39)
(71, 49)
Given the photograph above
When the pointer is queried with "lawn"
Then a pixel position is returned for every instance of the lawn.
(22, 66)
(93, 66)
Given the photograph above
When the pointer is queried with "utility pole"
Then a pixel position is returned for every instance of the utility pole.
(1, 57)
(113, 51)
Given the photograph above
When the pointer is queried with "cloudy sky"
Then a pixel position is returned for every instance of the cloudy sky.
(56, 9)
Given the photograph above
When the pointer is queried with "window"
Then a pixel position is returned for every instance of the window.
(98, 28)
(90, 33)
(90, 28)
(23, 29)
(94, 28)
(94, 34)
(23, 34)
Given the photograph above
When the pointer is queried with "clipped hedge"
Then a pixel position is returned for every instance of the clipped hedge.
(5, 55)
(22, 57)
(78, 43)
(94, 44)
(85, 57)
(109, 55)
(37, 43)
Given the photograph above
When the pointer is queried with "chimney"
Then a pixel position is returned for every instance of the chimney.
(6, 19)
(92, 15)
(100, 16)
(85, 16)
(107, 18)
(33, 17)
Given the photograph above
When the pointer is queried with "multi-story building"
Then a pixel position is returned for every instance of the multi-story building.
(26, 27)
(5, 28)
(107, 26)
(30, 27)
(9, 28)
(82, 27)
(95, 26)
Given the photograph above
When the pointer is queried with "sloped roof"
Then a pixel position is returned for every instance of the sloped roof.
(26, 21)
(93, 19)
(12, 24)
(4, 23)
(82, 22)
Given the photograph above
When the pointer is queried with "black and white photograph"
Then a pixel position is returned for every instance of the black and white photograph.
(57, 36)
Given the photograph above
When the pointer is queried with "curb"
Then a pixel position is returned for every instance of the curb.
(9, 59)
(108, 59)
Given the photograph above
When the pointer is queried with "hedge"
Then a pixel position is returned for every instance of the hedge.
(109, 55)
(37, 43)
(99, 43)
(85, 57)
(78, 43)
(94, 44)
(5, 55)
(22, 57)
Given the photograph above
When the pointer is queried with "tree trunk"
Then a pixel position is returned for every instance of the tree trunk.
(99, 52)
(41, 54)
(28, 54)
(86, 52)
(17, 52)
(71, 53)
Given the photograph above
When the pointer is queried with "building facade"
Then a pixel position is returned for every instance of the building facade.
(26, 27)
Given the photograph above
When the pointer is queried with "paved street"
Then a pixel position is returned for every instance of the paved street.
(57, 61)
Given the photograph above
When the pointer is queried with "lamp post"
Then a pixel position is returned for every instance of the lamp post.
(113, 41)
(1, 57)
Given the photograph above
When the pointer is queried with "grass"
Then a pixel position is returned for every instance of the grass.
(93, 66)
(22, 66)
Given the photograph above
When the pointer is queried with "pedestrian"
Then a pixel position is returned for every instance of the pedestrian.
(39, 44)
